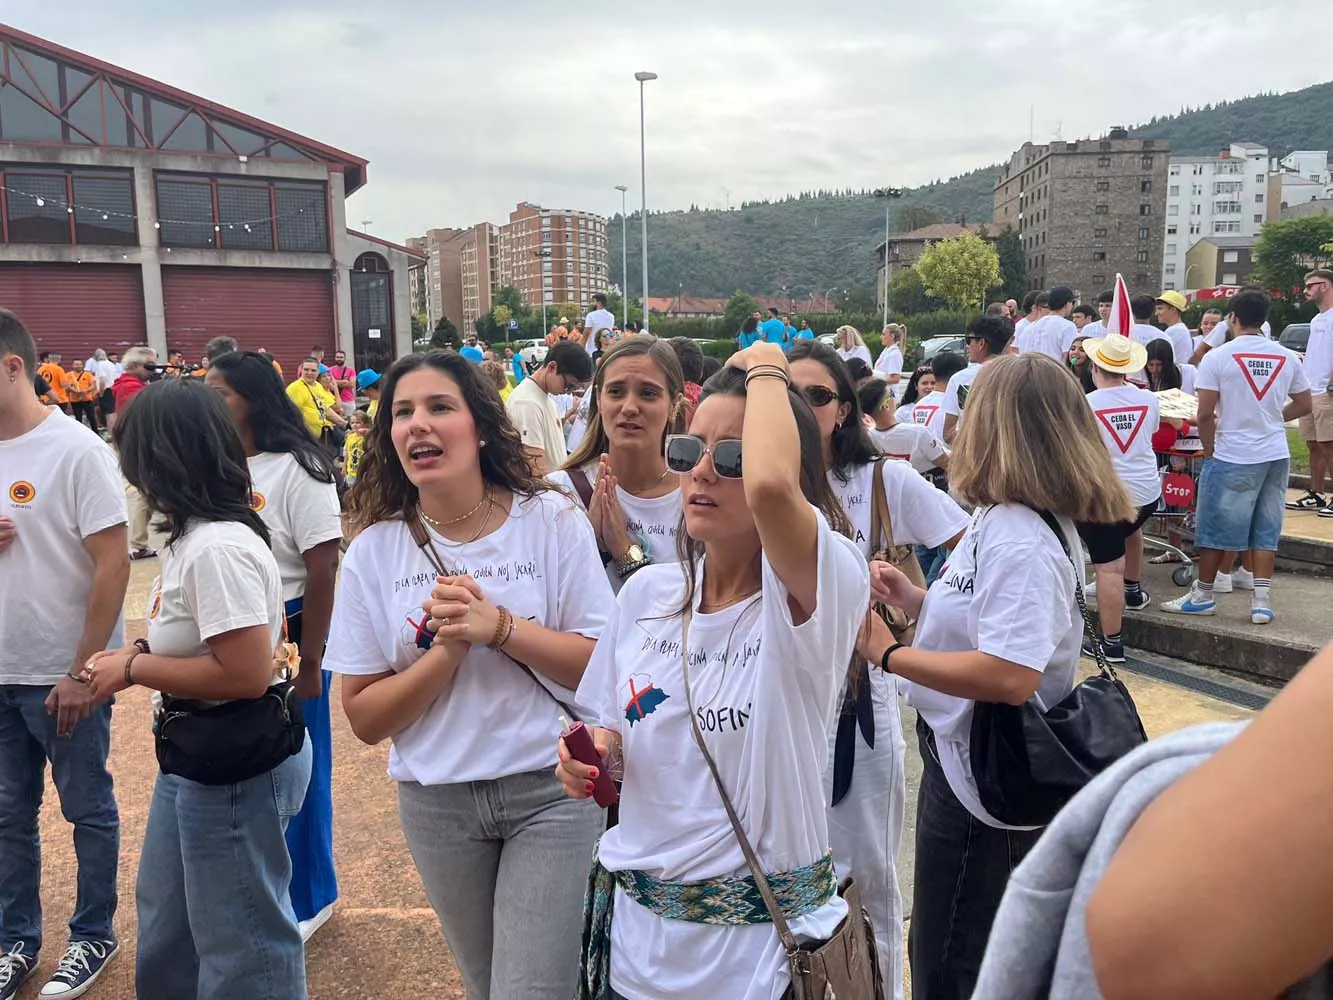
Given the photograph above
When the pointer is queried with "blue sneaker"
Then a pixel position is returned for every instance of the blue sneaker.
(1262, 616)
(15, 968)
(1192, 603)
(79, 968)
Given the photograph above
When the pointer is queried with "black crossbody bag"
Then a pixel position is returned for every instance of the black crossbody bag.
(1028, 763)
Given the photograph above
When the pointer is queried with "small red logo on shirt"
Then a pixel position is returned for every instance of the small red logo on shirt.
(1124, 423)
(1260, 370)
(22, 492)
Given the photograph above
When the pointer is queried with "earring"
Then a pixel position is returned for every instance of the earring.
(482, 443)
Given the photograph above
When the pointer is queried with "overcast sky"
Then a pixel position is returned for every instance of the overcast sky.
(463, 111)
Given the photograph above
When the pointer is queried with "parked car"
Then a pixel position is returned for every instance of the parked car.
(828, 340)
(933, 346)
(1296, 337)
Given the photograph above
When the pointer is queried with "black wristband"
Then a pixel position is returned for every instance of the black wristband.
(884, 660)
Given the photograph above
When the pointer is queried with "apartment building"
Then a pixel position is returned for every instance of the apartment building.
(553, 255)
(1086, 210)
(1223, 195)
(461, 273)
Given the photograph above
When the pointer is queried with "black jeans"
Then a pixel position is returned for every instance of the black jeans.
(962, 868)
(86, 412)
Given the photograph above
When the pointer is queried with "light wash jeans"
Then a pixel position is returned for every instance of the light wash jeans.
(215, 920)
(505, 864)
(87, 800)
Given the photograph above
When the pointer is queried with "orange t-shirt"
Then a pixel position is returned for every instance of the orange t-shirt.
(81, 387)
(55, 378)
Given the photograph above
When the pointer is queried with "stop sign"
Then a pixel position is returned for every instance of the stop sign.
(1178, 490)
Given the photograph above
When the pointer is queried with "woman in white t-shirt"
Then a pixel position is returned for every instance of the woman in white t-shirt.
(867, 794)
(1001, 625)
(764, 609)
(293, 490)
(471, 690)
(908, 441)
(215, 917)
(889, 364)
(850, 344)
(920, 385)
(619, 473)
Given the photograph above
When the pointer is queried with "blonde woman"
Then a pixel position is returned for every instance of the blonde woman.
(1000, 625)
(850, 345)
(889, 365)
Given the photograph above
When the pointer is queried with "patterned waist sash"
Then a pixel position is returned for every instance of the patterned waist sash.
(728, 900)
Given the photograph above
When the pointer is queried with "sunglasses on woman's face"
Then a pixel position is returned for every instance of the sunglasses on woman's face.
(818, 395)
(685, 451)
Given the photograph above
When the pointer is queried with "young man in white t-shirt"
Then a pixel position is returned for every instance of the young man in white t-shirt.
(1170, 305)
(1054, 333)
(532, 411)
(987, 337)
(64, 568)
(1317, 425)
(1243, 389)
(597, 322)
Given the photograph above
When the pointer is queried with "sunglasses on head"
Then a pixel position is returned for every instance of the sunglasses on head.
(685, 451)
(819, 395)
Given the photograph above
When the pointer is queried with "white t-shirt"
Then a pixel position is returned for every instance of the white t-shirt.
(1319, 352)
(495, 720)
(1021, 324)
(595, 322)
(1007, 590)
(533, 414)
(919, 514)
(61, 484)
(911, 443)
(104, 370)
(1219, 335)
(578, 430)
(890, 361)
(861, 352)
(1146, 333)
(300, 512)
(1094, 329)
(653, 522)
(1128, 417)
(1182, 344)
(928, 411)
(1051, 335)
(955, 393)
(218, 577)
(765, 694)
(1253, 376)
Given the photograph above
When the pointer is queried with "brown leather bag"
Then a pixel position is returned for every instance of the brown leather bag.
(903, 557)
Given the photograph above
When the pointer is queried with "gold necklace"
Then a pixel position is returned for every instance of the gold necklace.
(485, 520)
(644, 489)
(461, 517)
(727, 602)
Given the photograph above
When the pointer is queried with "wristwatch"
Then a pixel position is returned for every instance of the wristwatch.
(635, 558)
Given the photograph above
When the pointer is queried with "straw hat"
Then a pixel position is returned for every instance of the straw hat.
(1116, 354)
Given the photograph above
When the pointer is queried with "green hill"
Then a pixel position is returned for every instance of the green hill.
(813, 241)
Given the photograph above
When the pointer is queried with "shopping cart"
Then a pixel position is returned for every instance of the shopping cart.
(1175, 511)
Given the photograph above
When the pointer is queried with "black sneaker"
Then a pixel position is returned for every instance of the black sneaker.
(15, 968)
(1113, 651)
(1311, 501)
(82, 963)
(1325, 511)
(1138, 602)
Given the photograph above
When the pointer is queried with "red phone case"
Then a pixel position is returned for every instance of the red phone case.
(579, 743)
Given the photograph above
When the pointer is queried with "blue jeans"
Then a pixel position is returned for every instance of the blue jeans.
(932, 561)
(1241, 506)
(215, 921)
(87, 800)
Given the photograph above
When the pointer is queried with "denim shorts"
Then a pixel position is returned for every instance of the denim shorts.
(1241, 506)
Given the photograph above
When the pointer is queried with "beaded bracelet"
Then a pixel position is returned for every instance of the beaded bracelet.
(503, 624)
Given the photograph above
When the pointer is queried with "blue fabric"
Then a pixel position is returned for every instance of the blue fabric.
(473, 354)
(932, 561)
(774, 331)
(520, 373)
(744, 340)
(806, 334)
(1241, 507)
(87, 800)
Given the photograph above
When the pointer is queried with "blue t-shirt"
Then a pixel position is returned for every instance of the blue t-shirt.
(744, 339)
(774, 331)
(806, 334)
(520, 373)
(473, 354)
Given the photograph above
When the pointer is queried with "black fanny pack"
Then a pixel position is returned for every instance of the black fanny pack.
(232, 742)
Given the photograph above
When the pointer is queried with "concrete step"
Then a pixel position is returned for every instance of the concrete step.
(1272, 653)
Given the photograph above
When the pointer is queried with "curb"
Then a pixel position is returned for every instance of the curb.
(1184, 638)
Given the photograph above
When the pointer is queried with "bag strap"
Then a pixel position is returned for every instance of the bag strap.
(583, 485)
(880, 521)
(1098, 653)
(771, 903)
(422, 539)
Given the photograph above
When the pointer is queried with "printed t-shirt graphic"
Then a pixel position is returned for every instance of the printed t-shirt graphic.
(642, 697)
(1124, 423)
(1260, 370)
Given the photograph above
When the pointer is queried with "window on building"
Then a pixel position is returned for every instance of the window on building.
(1171, 229)
(1229, 278)
(1103, 210)
(1103, 161)
(1259, 198)
(1141, 256)
(1145, 187)
(1174, 170)
(1173, 191)
(1196, 209)
(103, 203)
(1099, 233)
(1099, 279)
(1099, 255)
(1172, 209)
(1230, 256)
(1143, 232)
(1194, 228)
(1169, 249)
(1258, 217)
(1145, 210)
(1169, 269)
(1198, 170)
(1258, 178)
(231, 213)
(1103, 185)
(1145, 161)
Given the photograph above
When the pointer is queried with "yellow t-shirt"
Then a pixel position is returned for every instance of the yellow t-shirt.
(373, 408)
(313, 401)
(354, 447)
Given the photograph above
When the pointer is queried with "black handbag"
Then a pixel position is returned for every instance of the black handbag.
(231, 742)
(1028, 763)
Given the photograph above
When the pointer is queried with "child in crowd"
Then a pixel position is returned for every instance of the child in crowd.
(354, 447)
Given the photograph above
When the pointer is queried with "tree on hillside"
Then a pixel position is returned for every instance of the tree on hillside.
(446, 334)
(1287, 249)
(907, 294)
(960, 270)
(740, 305)
(912, 217)
(1013, 264)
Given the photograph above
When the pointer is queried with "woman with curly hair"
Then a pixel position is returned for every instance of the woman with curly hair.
(463, 624)
(850, 345)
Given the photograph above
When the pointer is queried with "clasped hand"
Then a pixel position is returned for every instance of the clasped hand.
(606, 514)
(460, 612)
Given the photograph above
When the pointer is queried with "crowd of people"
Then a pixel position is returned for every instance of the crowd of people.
(707, 582)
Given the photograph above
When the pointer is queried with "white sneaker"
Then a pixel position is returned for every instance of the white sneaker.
(1224, 584)
(308, 927)
(1242, 578)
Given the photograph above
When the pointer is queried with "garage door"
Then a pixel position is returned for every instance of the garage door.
(280, 311)
(76, 308)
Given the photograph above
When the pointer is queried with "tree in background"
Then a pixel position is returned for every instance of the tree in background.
(508, 295)
(910, 217)
(420, 327)
(1286, 250)
(446, 334)
(907, 294)
(740, 305)
(960, 270)
(1014, 266)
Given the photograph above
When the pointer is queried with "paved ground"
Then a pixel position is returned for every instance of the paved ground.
(382, 942)
(1306, 523)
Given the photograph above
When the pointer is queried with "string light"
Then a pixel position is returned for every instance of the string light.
(107, 214)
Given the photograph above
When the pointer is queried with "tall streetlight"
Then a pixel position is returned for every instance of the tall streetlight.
(889, 195)
(624, 260)
(643, 76)
(546, 254)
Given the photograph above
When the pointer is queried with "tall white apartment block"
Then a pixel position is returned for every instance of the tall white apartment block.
(1224, 195)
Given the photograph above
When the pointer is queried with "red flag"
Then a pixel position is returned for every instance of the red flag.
(1121, 319)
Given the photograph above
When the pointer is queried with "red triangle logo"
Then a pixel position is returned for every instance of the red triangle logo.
(925, 414)
(1123, 423)
(1260, 370)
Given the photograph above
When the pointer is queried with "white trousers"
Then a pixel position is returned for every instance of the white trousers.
(866, 827)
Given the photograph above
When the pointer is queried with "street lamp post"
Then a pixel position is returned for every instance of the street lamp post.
(542, 284)
(624, 260)
(827, 294)
(643, 76)
(889, 195)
